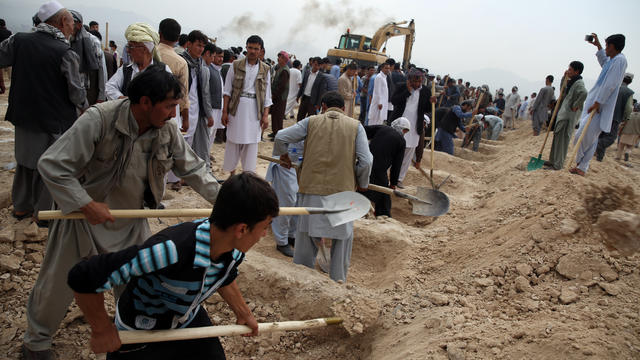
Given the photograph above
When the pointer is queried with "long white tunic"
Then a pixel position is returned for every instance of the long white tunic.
(194, 108)
(380, 97)
(605, 91)
(411, 113)
(244, 127)
(295, 80)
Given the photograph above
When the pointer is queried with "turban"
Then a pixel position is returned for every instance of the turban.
(141, 32)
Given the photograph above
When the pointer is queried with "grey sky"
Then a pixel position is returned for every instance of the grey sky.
(495, 42)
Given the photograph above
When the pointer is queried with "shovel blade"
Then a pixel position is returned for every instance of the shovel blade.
(535, 163)
(355, 205)
(438, 202)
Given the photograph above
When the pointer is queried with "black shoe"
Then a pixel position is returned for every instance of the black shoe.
(548, 163)
(42, 223)
(292, 241)
(626, 157)
(286, 250)
(37, 355)
(272, 135)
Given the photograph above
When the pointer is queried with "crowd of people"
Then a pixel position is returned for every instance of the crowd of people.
(96, 130)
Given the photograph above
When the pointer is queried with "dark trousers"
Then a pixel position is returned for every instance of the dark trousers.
(382, 202)
(29, 192)
(209, 348)
(277, 115)
(363, 108)
(605, 140)
(306, 108)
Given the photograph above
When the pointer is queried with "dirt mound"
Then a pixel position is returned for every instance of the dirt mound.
(609, 198)
(620, 230)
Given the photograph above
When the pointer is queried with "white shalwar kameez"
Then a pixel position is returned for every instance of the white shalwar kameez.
(285, 183)
(194, 109)
(412, 137)
(605, 92)
(243, 129)
(295, 80)
(380, 97)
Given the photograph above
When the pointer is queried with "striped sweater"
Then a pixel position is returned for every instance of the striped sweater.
(166, 278)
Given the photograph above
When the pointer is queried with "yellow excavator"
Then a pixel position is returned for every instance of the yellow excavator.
(372, 51)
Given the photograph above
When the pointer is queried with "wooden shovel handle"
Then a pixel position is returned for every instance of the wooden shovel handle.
(275, 160)
(156, 213)
(147, 336)
(584, 131)
(555, 112)
(381, 189)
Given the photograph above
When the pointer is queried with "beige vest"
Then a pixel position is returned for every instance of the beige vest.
(329, 154)
(239, 70)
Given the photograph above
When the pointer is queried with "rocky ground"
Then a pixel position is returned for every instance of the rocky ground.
(517, 269)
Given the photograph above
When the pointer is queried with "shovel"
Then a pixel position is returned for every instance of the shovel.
(339, 208)
(420, 206)
(535, 164)
(147, 336)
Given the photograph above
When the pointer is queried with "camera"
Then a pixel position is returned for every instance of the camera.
(588, 38)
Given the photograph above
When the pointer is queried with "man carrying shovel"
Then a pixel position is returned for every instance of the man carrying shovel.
(115, 156)
(175, 271)
(336, 158)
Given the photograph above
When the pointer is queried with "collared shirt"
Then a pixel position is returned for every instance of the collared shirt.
(168, 276)
(310, 81)
(178, 67)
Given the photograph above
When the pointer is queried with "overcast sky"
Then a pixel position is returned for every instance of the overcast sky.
(501, 43)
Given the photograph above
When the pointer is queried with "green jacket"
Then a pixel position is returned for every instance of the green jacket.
(573, 100)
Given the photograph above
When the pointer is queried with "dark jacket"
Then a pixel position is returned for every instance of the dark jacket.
(318, 89)
(39, 97)
(215, 87)
(387, 147)
(399, 101)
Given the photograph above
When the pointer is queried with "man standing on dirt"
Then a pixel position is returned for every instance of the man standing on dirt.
(46, 96)
(601, 99)
(247, 99)
(450, 122)
(336, 158)
(378, 110)
(511, 108)
(387, 145)
(540, 106)
(570, 107)
(623, 108)
(279, 93)
(345, 88)
(412, 101)
(115, 156)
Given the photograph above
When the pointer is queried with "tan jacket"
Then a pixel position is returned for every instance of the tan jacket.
(102, 152)
(179, 68)
(345, 87)
(329, 154)
(239, 69)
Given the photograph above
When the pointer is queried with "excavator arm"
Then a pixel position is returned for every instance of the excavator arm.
(395, 29)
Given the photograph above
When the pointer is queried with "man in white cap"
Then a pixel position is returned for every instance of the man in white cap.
(45, 98)
(387, 145)
(141, 46)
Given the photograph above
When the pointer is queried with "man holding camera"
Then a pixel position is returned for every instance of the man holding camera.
(601, 98)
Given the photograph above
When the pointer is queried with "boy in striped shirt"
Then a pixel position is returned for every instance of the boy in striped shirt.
(173, 272)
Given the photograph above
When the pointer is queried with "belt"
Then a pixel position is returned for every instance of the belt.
(247, 95)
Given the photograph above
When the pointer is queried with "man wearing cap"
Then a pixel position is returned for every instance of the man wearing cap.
(45, 97)
(623, 108)
(387, 145)
(141, 47)
(412, 101)
(279, 93)
(92, 67)
(601, 99)
(511, 108)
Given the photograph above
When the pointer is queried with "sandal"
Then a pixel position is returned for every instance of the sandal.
(22, 216)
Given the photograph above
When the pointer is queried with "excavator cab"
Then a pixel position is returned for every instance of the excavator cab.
(354, 42)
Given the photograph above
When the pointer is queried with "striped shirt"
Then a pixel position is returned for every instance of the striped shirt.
(166, 278)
